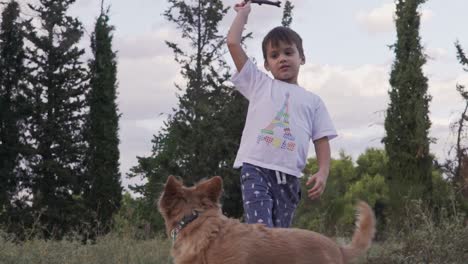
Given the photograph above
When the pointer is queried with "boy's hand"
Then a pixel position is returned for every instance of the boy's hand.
(317, 190)
(243, 7)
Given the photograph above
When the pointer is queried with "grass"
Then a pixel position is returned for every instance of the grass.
(110, 249)
(444, 245)
(424, 238)
(419, 240)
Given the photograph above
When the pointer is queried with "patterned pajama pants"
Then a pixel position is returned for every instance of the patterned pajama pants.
(270, 197)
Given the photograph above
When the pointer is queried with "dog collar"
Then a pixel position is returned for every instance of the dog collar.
(182, 223)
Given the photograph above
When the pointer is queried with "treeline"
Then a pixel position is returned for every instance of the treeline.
(59, 157)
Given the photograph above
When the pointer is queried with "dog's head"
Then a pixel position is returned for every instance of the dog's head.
(177, 200)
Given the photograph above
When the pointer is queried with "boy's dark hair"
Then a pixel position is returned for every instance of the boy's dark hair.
(283, 34)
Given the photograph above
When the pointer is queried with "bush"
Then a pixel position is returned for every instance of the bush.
(137, 219)
(425, 238)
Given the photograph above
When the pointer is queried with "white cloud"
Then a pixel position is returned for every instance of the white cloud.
(354, 96)
(146, 92)
(357, 100)
(355, 141)
(381, 19)
(427, 15)
(134, 142)
(153, 125)
(438, 54)
(147, 45)
(445, 95)
(146, 86)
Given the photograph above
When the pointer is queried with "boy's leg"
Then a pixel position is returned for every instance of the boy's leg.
(256, 196)
(287, 194)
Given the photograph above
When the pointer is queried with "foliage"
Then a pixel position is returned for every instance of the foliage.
(102, 190)
(14, 110)
(58, 138)
(58, 85)
(407, 121)
(349, 182)
(323, 215)
(133, 220)
(287, 14)
(370, 188)
(422, 237)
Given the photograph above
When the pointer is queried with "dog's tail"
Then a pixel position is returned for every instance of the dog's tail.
(363, 235)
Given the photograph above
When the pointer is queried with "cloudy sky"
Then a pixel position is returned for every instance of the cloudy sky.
(348, 64)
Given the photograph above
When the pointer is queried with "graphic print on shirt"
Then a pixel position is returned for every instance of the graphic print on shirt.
(278, 133)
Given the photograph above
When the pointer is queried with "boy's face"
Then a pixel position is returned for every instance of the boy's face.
(283, 61)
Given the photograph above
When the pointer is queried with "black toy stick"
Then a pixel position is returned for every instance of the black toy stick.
(260, 2)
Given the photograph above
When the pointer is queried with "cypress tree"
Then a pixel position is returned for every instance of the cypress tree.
(103, 188)
(407, 122)
(13, 106)
(58, 82)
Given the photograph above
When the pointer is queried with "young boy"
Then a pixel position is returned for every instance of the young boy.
(282, 119)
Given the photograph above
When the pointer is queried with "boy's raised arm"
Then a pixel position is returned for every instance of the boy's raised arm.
(234, 36)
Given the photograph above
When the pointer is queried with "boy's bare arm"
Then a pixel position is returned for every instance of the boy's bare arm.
(234, 36)
(322, 150)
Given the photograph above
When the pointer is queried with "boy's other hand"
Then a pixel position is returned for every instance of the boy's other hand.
(243, 7)
(317, 190)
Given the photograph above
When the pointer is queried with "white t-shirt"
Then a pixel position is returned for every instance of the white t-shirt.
(282, 119)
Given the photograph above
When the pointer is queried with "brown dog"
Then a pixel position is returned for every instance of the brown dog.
(202, 234)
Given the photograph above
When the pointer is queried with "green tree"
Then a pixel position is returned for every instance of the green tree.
(324, 215)
(346, 184)
(103, 191)
(372, 161)
(58, 82)
(13, 106)
(287, 14)
(407, 122)
(372, 189)
(370, 186)
(364, 180)
(201, 137)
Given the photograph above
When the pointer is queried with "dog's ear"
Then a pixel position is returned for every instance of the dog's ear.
(211, 188)
(173, 186)
(172, 190)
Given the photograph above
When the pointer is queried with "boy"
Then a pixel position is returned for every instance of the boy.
(282, 119)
